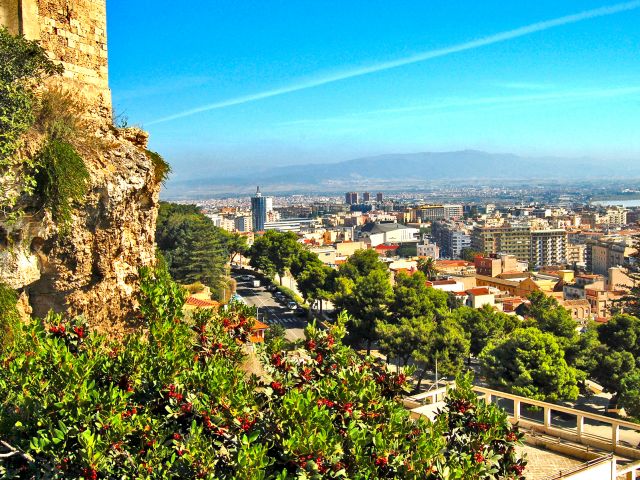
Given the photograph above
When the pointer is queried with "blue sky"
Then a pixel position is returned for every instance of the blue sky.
(307, 81)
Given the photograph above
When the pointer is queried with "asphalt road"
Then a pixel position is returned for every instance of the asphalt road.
(270, 311)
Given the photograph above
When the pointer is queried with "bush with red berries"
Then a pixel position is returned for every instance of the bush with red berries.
(332, 414)
(173, 401)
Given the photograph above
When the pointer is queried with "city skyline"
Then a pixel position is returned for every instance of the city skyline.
(332, 82)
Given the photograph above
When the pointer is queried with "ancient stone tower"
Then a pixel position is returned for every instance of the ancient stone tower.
(74, 32)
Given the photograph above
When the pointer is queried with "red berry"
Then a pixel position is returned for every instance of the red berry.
(381, 461)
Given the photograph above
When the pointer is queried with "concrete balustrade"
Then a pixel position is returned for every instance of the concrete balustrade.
(607, 430)
(598, 433)
(608, 437)
(629, 472)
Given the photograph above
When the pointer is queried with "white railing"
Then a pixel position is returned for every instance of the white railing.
(591, 430)
(608, 436)
(630, 472)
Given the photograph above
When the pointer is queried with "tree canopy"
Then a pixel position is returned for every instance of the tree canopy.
(194, 248)
(274, 252)
(529, 363)
(483, 325)
(366, 300)
(545, 313)
(622, 333)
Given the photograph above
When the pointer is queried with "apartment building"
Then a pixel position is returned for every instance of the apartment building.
(497, 264)
(429, 249)
(243, 223)
(576, 254)
(548, 247)
(451, 237)
(513, 239)
(608, 251)
(610, 216)
(430, 213)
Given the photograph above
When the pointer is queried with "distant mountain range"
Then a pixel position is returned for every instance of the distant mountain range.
(409, 170)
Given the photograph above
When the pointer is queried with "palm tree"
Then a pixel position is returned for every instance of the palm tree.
(428, 267)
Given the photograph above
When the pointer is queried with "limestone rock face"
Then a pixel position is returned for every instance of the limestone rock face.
(93, 269)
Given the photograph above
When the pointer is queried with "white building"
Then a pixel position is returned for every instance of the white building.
(381, 233)
(429, 249)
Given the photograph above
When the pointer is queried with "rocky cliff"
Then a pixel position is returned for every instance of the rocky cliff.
(93, 269)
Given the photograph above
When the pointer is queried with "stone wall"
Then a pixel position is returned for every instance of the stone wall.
(74, 33)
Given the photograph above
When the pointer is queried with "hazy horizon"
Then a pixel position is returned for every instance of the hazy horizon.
(233, 85)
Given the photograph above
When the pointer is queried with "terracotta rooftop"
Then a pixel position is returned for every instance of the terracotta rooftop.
(578, 302)
(454, 263)
(478, 291)
(258, 325)
(196, 302)
(387, 247)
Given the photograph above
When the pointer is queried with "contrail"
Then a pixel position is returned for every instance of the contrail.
(453, 103)
(420, 57)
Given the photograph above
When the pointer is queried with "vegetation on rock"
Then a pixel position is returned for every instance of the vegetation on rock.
(23, 63)
(61, 181)
(9, 317)
(161, 168)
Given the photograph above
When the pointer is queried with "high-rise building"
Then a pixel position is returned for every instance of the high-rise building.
(512, 239)
(351, 198)
(429, 213)
(548, 247)
(260, 207)
(366, 197)
(451, 237)
(379, 197)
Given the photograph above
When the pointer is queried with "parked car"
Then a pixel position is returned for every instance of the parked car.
(271, 287)
(292, 305)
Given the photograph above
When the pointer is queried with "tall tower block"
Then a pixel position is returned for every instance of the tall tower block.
(74, 33)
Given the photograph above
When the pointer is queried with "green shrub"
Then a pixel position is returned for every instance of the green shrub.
(195, 287)
(160, 297)
(61, 180)
(22, 62)
(290, 294)
(172, 402)
(9, 317)
(161, 168)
